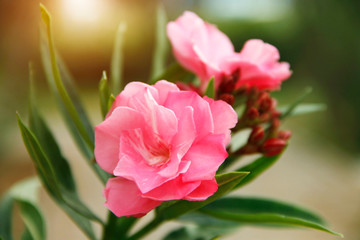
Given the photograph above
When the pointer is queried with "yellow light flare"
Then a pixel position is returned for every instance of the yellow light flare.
(82, 11)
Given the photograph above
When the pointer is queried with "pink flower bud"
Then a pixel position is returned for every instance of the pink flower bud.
(284, 135)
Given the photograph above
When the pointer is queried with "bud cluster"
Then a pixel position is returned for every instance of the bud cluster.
(261, 116)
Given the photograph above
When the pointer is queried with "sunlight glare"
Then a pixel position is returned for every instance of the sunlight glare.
(84, 11)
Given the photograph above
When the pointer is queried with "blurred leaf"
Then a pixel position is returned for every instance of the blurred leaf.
(64, 95)
(68, 100)
(24, 194)
(210, 89)
(60, 191)
(174, 73)
(192, 233)
(161, 43)
(6, 206)
(257, 167)
(117, 60)
(239, 139)
(26, 235)
(104, 93)
(287, 112)
(111, 100)
(302, 109)
(263, 211)
(226, 183)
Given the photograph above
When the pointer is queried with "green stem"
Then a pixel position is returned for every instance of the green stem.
(145, 230)
(117, 228)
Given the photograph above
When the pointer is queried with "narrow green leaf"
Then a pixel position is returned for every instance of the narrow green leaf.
(26, 235)
(104, 94)
(25, 194)
(111, 100)
(226, 182)
(69, 105)
(257, 167)
(297, 101)
(190, 232)
(63, 192)
(210, 89)
(267, 218)
(161, 43)
(69, 83)
(117, 60)
(174, 73)
(6, 206)
(303, 109)
(250, 205)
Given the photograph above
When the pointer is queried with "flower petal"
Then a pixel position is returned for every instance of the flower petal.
(224, 117)
(178, 101)
(164, 87)
(203, 191)
(123, 198)
(206, 156)
(107, 135)
(171, 190)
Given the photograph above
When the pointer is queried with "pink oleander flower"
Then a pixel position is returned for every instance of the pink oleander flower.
(204, 50)
(161, 144)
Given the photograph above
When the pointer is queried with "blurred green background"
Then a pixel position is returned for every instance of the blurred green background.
(320, 39)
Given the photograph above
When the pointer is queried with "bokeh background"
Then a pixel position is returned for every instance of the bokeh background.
(320, 39)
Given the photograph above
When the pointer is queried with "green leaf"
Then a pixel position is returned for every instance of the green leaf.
(303, 109)
(250, 205)
(297, 101)
(174, 73)
(257, 167)
(104, 94)
(161, 43)
(64, 95)
(69, 83)
(190, 232)
(6, 206)
(226, 182)
(117, 59)
(111, 100)
(210, 89)
(63, 192)
(24, 194)
(263, 212)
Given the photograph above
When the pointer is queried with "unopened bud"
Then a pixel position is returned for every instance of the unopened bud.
(257, 134)
(273, 146)
(284, 135)
(253, 113)
(226, 97)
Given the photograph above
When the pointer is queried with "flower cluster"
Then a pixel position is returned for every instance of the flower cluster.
(162, 143)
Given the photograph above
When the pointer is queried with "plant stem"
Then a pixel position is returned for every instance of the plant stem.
(117, 228)
(145, 230)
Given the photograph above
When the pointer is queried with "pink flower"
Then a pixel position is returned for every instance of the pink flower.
(204, 50)
(161, 144)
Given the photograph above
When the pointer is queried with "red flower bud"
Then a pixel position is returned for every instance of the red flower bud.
(273, 146)
(257, 135)
(253, 113)
(284, 135)
(226, 97)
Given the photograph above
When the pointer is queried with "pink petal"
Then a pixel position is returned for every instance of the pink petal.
(197, 45)
(224, 117)
(129, 91)
(202, 192)
(171, 190)
(123, 198)
(206, 156)
(178, 101)
(164, 87)
(107, 135)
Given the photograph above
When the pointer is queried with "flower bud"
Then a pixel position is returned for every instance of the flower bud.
(284, 135)
(226, 97)
(253, 113)
(273, 146)
(257, 135)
